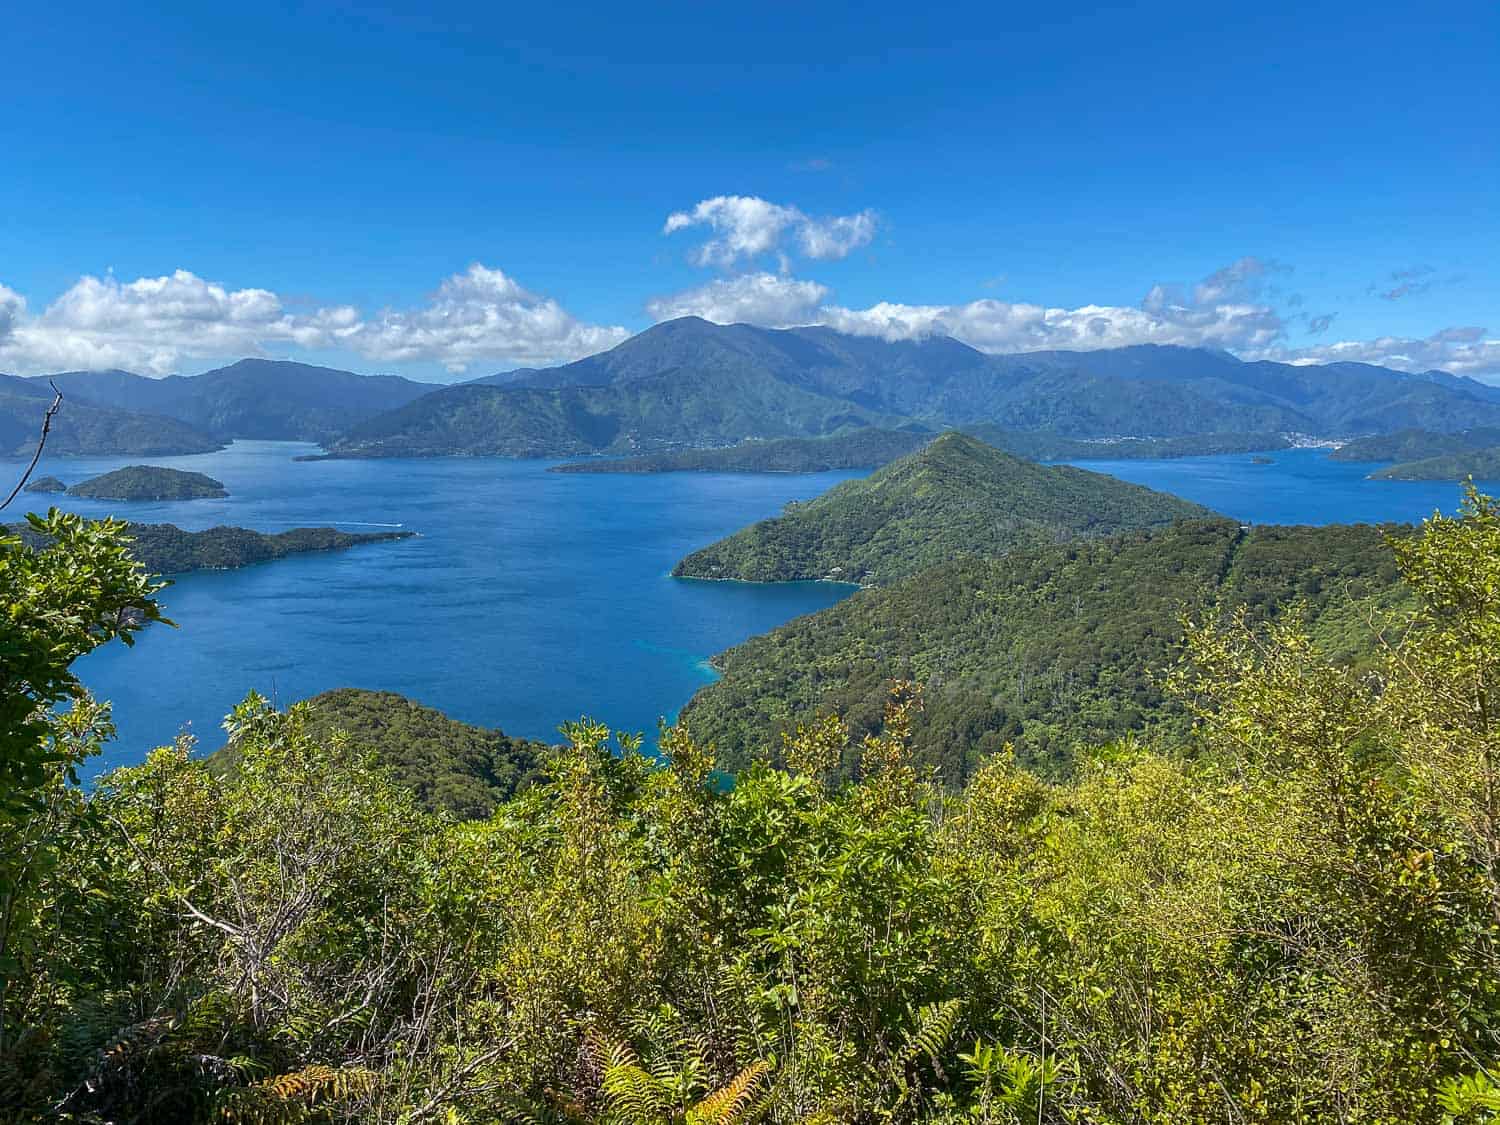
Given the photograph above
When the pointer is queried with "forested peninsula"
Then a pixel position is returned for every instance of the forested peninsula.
(956, 496)
(164, 548)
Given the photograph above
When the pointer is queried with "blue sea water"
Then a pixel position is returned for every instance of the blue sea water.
(527, 599)
(530, 598)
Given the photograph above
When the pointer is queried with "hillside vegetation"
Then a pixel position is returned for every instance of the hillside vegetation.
(1044, 648)
(958, 496)
(451, 768)
(687, 384)
(1287, 917)
(149, 482)
(84, 427)
(1481, 464)
(254, 398)
(1416, 445)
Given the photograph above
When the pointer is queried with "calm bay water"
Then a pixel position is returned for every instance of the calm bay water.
(527, 599)
(530, 598)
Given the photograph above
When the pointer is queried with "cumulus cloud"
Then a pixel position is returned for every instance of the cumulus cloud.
(482, 315)
(153, 324)
(746, 227)
(756, 298)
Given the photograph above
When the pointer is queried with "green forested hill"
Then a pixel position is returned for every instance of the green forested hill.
(1043, 648)
(957, 496)
(1416, 445)
(451, 766)
(149, 482)
(1481, 464)
(673, 409)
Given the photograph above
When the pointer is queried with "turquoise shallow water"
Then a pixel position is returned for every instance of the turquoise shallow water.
(530, 598)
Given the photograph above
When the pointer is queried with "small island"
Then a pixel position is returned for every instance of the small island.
(1258, 460)
(148, 482)
(46, 484)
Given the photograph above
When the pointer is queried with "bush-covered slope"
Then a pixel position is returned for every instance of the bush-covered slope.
(149, 482)
(84, 427)
(451, 766)
(1043, 648)
(254, 398)
(1481, 464)
(958, 496)
(1416, 445)
(670, 410)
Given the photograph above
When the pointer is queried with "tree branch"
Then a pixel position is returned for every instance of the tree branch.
(40, 444)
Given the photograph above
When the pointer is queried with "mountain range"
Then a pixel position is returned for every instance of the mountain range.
(688, 383)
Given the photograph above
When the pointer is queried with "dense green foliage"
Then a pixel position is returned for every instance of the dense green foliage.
(690, 384)
(1295, 923)
(149, 482)
(957, 496)
(1482, 464)
(1416, 445)
(1044, 648)
(86, 427)
(57, 603)
(449, 766)
(163, 548)
(254, 398)
(866, 448)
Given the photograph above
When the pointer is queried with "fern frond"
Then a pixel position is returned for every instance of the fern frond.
(728, 1104)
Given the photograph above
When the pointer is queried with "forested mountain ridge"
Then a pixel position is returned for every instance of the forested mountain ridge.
(732, 382)
(671, 409)
(689, 383)
(1044, 647)
(957, 496)
(85, 427)
(253, 398)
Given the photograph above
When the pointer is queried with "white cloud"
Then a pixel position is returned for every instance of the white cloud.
(1226, 310)
(482, 315)
(755, 298)
(153, 324)
(745, 227)
(1464, 350)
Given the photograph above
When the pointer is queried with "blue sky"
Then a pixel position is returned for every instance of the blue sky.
(445, 193)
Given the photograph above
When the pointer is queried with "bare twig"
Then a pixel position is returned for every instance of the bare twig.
(40, 444)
